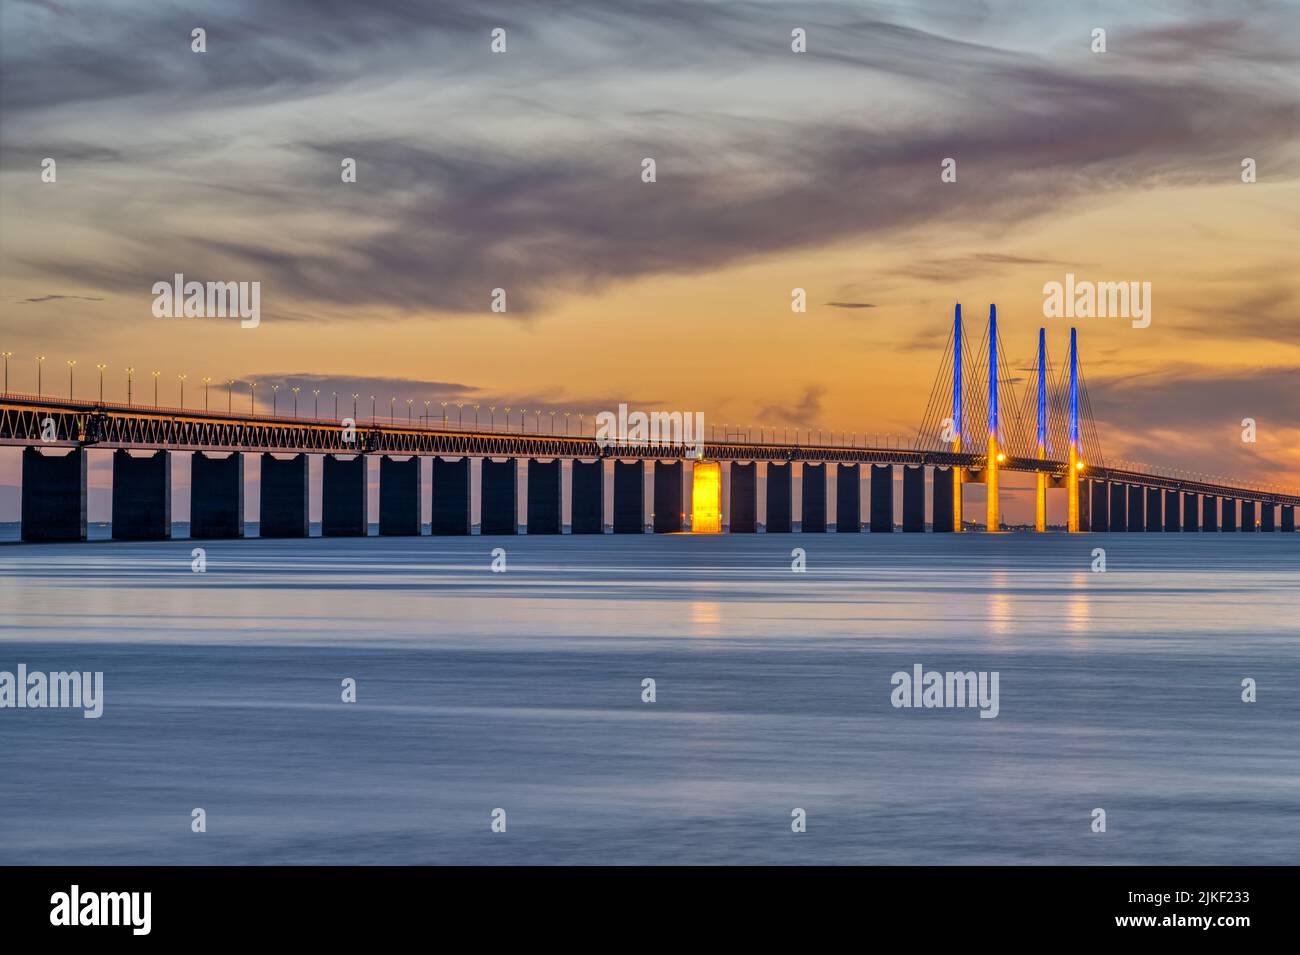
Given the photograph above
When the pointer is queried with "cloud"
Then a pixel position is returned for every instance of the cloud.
(850, 305)
(60, 298)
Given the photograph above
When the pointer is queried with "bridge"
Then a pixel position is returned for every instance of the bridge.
(973, 429)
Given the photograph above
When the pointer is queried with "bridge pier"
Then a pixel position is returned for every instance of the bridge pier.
(544, 497)
(1191, 511)
(216, 496)
(814, 499)
(848, 499)
(283, 496)
(399, 497)
(882, 499)
(1099, 513)
(1155, 509)
(913, 500)
(629, 497)
(142, 496)
(1137, 511)
(1172, 508)
(668, 500)
(941, 500)
(779, 498)
(744, 498)
(1118, 507)
(1209, 512)
(449, 514)
(1248, 516)
(54, 496)
(1288, 518)
(343, 511)
(1085, 504)
(499, 498)
(1229, 520)
(587, 500)
(1267, 517)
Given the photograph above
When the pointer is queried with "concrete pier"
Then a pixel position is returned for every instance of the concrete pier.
(1155, 509)
(669, 504)
(216, 496)
(500, 502)
(1248, 516)
(587, 503)
(848, 499)
(1229, 518)
(1100, 512)
(54, 496)
(343, 511)
(1288, 519)
(284, 497)
(1137, 508)
(1267, 517)
(1118, 507)
(545, 501)
(1173, 510)
(779, 511)
(814, 499)
(941, 500)
(744, 498)
(450, 514)
(913, 500)
(1209, 513)
(1191, 511)
(399, 497)
(1085, 505)
(882, 499)
(629, 497)
(142, 496)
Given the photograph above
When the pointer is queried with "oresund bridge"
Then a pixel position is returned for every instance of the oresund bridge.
(973, 429)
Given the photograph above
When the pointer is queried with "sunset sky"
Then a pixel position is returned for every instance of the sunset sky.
(775, 170)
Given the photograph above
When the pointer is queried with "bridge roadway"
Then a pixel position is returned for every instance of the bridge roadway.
(32, 422)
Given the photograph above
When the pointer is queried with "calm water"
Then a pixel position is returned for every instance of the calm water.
(522, 690)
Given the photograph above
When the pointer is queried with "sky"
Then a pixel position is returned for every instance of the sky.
(774, 170)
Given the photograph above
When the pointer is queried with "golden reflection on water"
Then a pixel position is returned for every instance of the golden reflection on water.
(706, 618)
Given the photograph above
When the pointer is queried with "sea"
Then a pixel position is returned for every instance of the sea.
(1148, 710)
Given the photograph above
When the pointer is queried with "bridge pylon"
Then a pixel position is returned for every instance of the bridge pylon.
(957, 477)
(993, 512)
(1073, 465)
(1040, 478)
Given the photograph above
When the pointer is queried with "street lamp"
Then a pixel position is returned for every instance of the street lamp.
(182, 378)
(566, 424)
(444, 413)
(507, 417)
(129, 373)
(355, 396)
(275, 392)
(252, 397)
(372, 409)
(460, 407)
(40, 363)
(492, 409)
(476, 417)
(7, 355)
(156, 376)
(230, 400)
(295, 389)
(316, 412)
(552, 422)
(409, 402)
(392, 402)
(101, 366)
(207, 380)
(72, 363)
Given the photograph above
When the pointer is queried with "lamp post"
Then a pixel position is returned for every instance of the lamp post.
(427, 422)
(460, 408)
(476, 417)
(507, 417)
(552, 422)
(181, 378)
(156, 376)
(566, 424)
(444, 413)
(409, 402)
(72, 363)
(372, 409)
(40, 363)
(391, 403)
(275, 391)
(100, 367)
(295, 389)
(129, 373)
(252, 397)
(7, 355)
(355, 396)
(230, 391)
(492, 409)
(207, 380)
